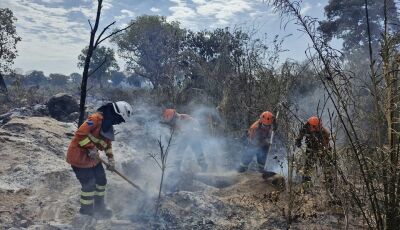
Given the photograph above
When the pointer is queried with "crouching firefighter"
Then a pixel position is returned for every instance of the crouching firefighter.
(188, 135)
(95, 135)
(258, 137)
(317, 149)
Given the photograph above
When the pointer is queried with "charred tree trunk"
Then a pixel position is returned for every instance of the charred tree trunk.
(93, 44)
(85, 74)
(3, 87)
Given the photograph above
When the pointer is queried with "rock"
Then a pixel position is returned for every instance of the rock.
(40, 110)
(4, 118)
(24, 223)
(61, 106)
(275, 179)
(73, 116)
(23, 111)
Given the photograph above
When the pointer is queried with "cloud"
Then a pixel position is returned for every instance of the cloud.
(213, 13)
(52, 1)
(306, 8)
(49, 34)
(155, 10)
(125, 14)
(182, 12)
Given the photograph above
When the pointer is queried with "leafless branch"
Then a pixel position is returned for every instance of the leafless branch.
(115, 32)
(98, 67)
(90, 24)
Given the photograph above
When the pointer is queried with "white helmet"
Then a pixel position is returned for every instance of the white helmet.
(124, 109)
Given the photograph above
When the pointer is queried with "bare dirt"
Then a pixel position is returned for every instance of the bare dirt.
(38, 190)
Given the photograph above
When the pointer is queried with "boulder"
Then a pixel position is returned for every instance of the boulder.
(61, 106)
(40, 110)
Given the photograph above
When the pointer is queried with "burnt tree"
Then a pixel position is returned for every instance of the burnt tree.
(94, 42)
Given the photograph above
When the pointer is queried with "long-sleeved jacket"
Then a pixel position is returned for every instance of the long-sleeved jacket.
(315, 140)
(88, 137)
(184, 123)
(259, 135)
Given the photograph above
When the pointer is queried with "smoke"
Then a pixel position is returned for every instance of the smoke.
(137, 139)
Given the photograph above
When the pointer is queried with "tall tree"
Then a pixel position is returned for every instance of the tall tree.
(94, 42)
(35, 78)
(8, 43)
(347, 20)
(117, 77)
(75, 77)
(58, 79)
(101, 65)
(151, 48)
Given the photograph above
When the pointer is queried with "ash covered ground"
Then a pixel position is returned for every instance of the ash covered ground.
(38, 189)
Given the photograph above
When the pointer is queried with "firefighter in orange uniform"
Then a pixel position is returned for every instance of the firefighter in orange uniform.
(258, 137)
(189, 135)
(95, 135)
(317, 146)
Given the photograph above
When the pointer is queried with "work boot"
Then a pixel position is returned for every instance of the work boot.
(103, 213)
(86, 210)
(100, 209)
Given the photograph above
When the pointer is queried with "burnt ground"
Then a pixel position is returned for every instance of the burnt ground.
(39, 191)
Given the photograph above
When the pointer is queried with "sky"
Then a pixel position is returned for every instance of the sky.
(54, 32)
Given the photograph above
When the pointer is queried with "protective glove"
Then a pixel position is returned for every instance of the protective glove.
(111, 164)
(298, 143)
(93, 153)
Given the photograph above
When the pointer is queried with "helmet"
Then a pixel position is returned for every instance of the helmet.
(315, 123)
(266, 118)
(124, 109)
(169, 114)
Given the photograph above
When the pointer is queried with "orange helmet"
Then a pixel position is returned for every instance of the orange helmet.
(169, 114)
(266, 118)
(315, 123)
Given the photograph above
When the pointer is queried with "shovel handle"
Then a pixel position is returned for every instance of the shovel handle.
(122, 176)
(270, 143)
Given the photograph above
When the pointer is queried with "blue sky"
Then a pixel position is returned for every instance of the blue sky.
(55, 31)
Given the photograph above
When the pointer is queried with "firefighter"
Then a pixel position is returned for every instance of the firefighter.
(317, 142)
(188, 135)
(258, 138)
(94, 135)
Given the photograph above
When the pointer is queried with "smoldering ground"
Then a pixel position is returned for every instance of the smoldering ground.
(138, 139)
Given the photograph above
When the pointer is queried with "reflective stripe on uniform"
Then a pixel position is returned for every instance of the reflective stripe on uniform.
(87, 202)
(100, 187)
(87, 193)
(84, 142)
(100, 193)
(98, 141)
(109, 151)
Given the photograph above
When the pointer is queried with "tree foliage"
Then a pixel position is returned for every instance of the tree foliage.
(117, 77)
(102, 63)
(58, 79)
(347, 20)
(8, 43)
(75, 78)
(151, 47)
(35, 78)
